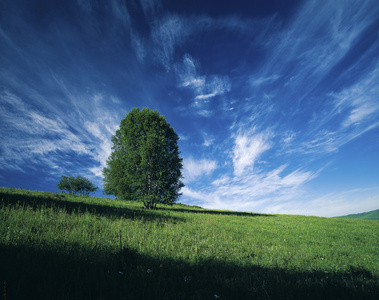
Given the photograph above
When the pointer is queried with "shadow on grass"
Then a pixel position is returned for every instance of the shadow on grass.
(216, 212)
(32, 273)
(54, 200)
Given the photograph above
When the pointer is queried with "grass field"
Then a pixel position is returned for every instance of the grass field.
(55, 246)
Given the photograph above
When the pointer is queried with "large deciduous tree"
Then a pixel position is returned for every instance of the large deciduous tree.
(144, 164)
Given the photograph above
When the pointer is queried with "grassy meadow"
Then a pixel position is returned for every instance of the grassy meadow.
(56, 246)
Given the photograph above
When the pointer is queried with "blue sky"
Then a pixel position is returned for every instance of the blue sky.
(276, 104)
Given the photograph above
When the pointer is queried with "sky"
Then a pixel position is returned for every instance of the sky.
(276, 103)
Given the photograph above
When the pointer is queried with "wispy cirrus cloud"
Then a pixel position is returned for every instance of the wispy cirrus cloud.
(352, 111)
(359, 100)
(262, 80)
(208, 140)
(43, 134)
(215, 85)
(50, 138)
(139, 46)
(337, 203)
(170, 31)
(248, 147)
(203, 87)
(188, 75)
(167, 33)
(101, 129)
(252, 186)
(252, 191)
(195, 169)
(318, 38)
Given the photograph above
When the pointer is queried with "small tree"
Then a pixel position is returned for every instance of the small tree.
(76, 185)
(144, 164)
(66, 184)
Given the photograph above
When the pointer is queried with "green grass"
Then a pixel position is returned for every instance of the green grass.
(371, 215)
(55, 246)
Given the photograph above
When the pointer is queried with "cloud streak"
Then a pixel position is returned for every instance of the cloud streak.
(33, 138)
(204, 88)
(248, 147)
(167, 34)
(195, 169)
(254, 191)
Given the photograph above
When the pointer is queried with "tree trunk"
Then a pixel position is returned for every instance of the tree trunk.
(150, 205)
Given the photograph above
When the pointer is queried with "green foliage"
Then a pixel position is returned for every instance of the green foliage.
(144, 164)
(76, 185)
(55, 246)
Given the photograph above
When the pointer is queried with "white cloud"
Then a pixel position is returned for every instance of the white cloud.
(330, 205)
(45, 134)
(171, 30)
(260, 185)
(205, 113)
(166, 34)
(208, 142)
(247, 149)
(183, 137)
(318, 37)
(360, 100)
(196, 196)
(194, 169)
(360, 112)
(204, 97)
(217, 85)
(287, 138)
(261, 80)
(103, 150)
(350, 113)
(138, 45)
(323, 141)
(252, 191)
(208, 139)
(274, 194)
(187, 73)
(203, 87)
(45, 139)
(24, 118)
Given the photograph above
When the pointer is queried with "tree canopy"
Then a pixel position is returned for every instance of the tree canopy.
(76, 185)
(144, 164)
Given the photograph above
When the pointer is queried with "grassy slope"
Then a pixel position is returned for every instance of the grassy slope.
(62, 247)
(371, 215)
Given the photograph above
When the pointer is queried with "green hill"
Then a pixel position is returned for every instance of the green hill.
(56, 246)
(371, 215)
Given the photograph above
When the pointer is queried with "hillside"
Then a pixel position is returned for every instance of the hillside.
(371, 215)
(56, 246)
